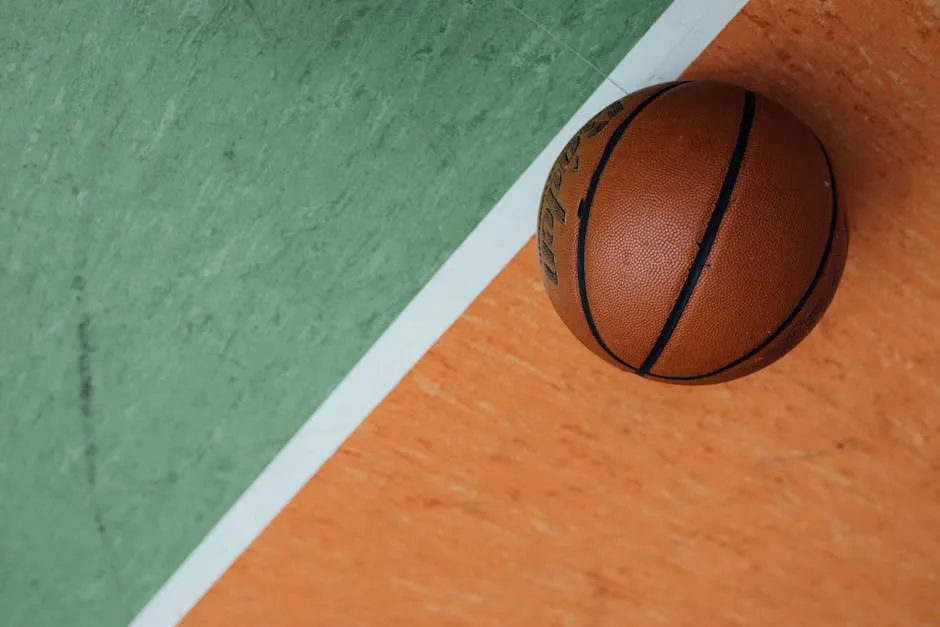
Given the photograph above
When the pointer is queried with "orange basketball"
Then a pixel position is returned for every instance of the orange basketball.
(691, 232)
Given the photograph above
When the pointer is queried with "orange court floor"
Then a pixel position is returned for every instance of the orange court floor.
(512, 478)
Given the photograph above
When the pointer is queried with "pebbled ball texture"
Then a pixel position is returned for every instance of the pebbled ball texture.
(691, 232)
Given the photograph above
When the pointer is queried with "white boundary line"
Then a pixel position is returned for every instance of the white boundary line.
(665, 51)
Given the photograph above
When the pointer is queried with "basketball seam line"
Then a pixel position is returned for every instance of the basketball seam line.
(827, 253)
(708, 239)
(584, 211)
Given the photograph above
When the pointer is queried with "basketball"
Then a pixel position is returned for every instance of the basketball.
(691, 232)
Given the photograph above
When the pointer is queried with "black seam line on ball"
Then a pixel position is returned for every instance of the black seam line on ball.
(584, 211)
(708, 239)
(827, 253)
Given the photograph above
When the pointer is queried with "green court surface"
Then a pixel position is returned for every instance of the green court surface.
(208, 211)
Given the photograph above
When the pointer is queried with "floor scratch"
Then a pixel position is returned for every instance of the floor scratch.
(86, 391)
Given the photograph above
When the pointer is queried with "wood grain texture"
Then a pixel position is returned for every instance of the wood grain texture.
(515, 479)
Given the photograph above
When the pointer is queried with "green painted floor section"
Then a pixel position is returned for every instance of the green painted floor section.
(209, 210)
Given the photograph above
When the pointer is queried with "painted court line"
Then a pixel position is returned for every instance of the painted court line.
(678, 38)
(664, 52)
